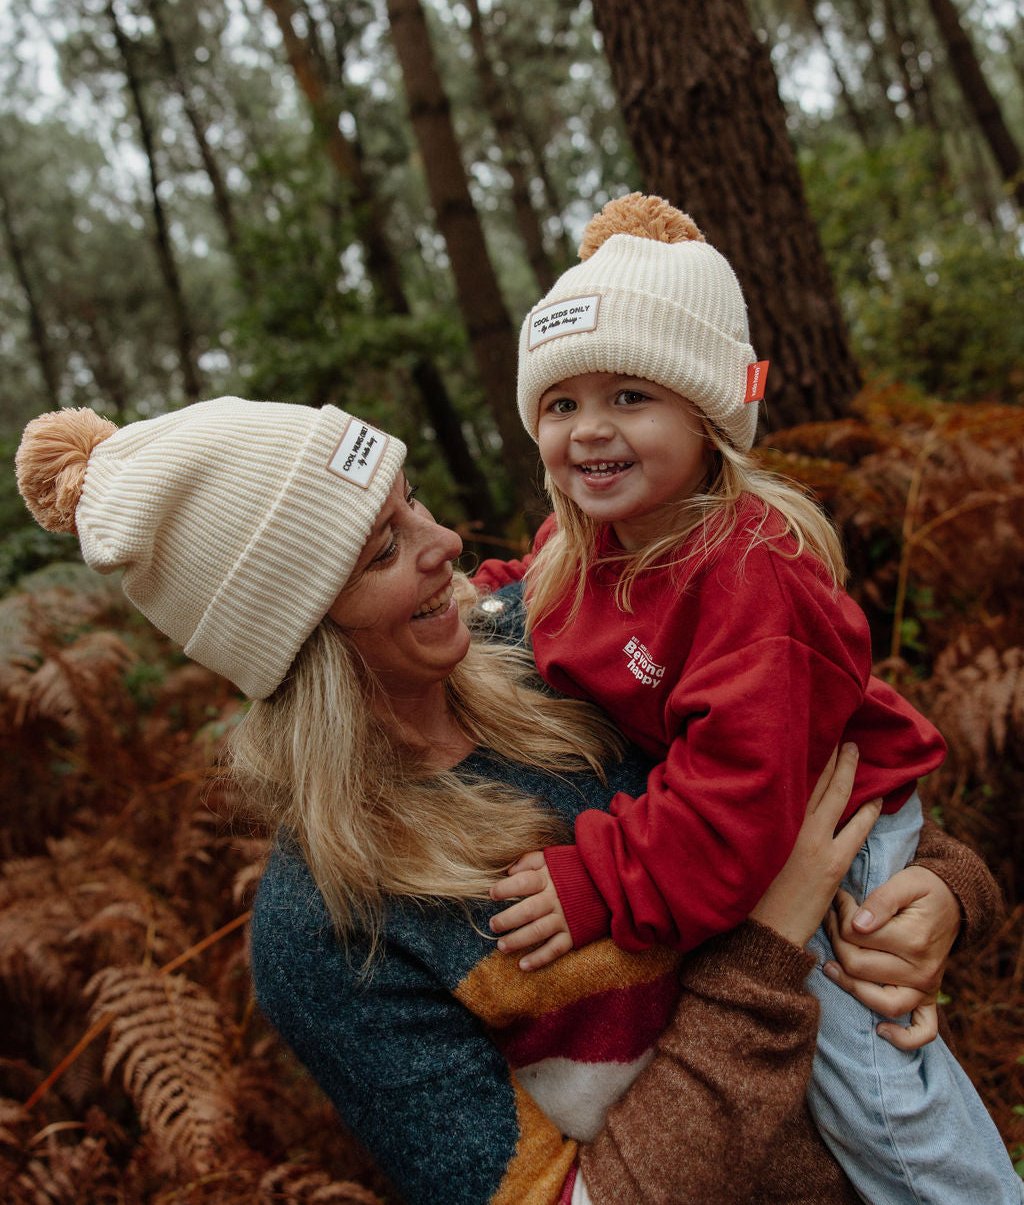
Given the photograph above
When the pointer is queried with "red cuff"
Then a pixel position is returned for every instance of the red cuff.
(589, 918)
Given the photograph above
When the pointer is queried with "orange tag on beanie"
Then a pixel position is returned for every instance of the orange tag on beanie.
(757, 379)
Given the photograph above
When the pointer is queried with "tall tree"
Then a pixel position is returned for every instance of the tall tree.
(382, 267)
(846, 91)
(512, 157)
(979, 96)
(16, 251)
(702, 106)
(492, 337)
(162, 233)
(222, 200)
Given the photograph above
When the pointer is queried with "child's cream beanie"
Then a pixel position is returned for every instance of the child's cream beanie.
(235, 523)
(651, 299)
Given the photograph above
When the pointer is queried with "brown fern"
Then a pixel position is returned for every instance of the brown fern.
(295, 1182)
(169, 1041)
(977, 699)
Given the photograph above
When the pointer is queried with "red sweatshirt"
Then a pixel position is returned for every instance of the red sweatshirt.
(742, 674)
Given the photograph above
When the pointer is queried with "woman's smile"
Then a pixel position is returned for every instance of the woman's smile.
(399, 609)
(437, 603)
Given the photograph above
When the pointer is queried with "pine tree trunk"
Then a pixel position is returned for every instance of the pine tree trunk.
(36, 322)
(164, 247)
(492, 337)
(979, 96)
(702, 107)
(527, 218)
(383, 270)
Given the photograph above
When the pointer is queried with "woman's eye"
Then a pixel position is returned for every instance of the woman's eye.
(410, 494)
(387, 553)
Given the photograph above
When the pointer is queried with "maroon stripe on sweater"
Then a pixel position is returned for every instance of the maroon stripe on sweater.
(616, 1026)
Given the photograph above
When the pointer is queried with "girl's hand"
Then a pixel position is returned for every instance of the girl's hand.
(798, 899)
(537, 920)
(891, 950)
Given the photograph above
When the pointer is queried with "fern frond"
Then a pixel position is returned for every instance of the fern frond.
(59, 688)
(298, 1183)
(12, 1114)
(977, 700)
(167, 1037)
(67, 1173)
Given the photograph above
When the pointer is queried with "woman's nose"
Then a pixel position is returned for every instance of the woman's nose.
(437, 544)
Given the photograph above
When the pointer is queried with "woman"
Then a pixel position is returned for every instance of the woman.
(405, 766)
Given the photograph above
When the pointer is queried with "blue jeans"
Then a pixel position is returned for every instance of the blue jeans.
(907, 1127)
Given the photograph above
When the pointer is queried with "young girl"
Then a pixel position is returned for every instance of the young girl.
(698, 600)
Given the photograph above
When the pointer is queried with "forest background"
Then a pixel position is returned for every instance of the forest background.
(356, 203)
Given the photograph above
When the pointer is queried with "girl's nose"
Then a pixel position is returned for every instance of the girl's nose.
(591, 425)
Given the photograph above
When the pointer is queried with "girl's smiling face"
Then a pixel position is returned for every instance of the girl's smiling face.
(398, 607)
(623, 449)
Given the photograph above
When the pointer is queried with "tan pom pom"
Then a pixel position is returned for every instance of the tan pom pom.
(52, 460)
(642, 216)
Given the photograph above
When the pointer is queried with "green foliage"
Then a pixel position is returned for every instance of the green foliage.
(932, 296)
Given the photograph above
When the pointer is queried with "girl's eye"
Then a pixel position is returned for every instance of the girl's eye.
(410, 493)
(560, 405)
(630, 397)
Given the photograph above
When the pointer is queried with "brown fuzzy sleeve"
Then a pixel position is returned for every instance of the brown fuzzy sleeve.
(969, 879)
(724, 1095)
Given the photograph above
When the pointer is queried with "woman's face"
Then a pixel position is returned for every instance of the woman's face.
(398, 607)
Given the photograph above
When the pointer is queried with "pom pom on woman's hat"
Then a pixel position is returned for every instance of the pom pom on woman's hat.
(51, 462)
(235, 524)
(650, 299)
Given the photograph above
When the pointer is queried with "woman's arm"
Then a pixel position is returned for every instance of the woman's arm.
(730, 1074)
(418, 1078)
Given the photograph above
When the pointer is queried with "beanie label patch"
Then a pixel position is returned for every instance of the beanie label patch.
(357, 456)
(567, 317)
(757, 380)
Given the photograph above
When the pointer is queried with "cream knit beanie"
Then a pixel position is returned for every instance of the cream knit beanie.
(236, 523)
(651, 299)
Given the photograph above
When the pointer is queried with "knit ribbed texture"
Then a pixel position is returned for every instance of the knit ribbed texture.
(671, 313)
(233, 533)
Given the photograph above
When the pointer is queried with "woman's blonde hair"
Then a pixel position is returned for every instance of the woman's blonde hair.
(713, 514)
(372, 820)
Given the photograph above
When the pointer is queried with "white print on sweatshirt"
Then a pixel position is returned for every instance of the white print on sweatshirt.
(647, 672)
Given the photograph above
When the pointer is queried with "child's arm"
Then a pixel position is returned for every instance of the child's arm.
(537, 918)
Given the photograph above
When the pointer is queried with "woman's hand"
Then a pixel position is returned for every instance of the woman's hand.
(798, 899)
(891, 950)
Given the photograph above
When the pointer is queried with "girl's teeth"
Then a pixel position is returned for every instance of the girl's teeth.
(606, 466)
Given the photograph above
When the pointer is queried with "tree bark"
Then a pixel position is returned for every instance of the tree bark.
(527, 218)
(164, 247)
(383, 270)
(702, 107)
(979, 97)
(36, 322)
(492, 337)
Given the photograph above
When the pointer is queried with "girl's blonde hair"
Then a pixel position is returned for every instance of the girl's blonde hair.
(372, 820)
(713, 513)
